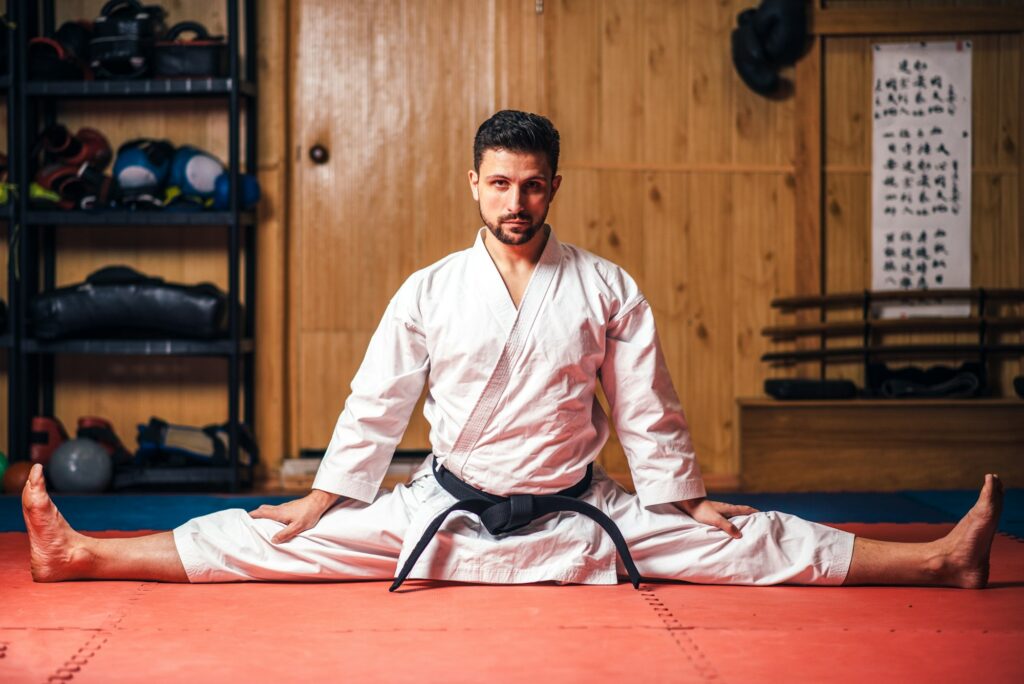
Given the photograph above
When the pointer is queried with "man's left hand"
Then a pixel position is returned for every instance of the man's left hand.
(715, 513)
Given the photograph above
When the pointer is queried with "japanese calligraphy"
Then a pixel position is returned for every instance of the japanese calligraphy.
(921, 169)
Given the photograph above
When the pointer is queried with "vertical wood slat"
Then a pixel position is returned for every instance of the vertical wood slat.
(808, 260)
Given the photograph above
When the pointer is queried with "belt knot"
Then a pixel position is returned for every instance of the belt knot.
(509, 515)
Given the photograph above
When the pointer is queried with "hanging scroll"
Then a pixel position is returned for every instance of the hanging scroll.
(921, 173)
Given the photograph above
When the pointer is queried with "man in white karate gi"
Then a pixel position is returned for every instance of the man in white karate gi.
(511, 337)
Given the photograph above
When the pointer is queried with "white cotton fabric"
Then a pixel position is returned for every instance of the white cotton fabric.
(355, 540)
(512, 408)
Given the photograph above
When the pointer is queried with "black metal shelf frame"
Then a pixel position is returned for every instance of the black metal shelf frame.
(156, 217)
(163, 87)
(10, 214)
(35, 103)
(141, 347)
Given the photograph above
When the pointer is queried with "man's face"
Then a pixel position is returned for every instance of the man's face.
(514, 191)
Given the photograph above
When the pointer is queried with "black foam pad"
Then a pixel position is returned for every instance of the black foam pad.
(790, 388)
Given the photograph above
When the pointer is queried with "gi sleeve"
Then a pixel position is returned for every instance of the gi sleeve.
(384, 393)
(646, 411)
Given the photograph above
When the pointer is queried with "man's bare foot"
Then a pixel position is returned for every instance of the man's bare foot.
(56, 551)
(966, 548)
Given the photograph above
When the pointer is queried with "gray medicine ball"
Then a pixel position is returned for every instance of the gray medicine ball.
(80, 465)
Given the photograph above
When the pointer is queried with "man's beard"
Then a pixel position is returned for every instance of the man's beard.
(508, 238)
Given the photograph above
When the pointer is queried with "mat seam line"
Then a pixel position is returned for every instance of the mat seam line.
(700, 662)
(80, 659)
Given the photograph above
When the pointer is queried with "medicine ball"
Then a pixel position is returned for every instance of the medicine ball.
(15, 477)
(80, 465)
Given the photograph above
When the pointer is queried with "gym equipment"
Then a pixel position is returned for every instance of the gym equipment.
(142, 166)
(195, 172)
(64, 56)
(70, 187)
(203, 55)
(87, 146)
(58, 184)
(80, 465)
(123, 36)
(5, 186)
(48, 433)
(250, 189)
(766, 39)
(16, 476)
(102, 432)
(176, 200)
(161, 443)
(118, 301)
(790, 388)
(967, 380)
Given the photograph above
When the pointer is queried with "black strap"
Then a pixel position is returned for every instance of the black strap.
(501, 515)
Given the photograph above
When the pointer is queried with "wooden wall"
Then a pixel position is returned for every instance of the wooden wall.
(671, 167)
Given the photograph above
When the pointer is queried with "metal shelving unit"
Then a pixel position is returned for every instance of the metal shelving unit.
(8, 215)
(36, 104)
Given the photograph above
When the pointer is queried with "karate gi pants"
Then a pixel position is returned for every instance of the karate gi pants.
(359, 541)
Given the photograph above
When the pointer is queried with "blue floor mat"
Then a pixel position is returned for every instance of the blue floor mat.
(132, 511)
(836, 507)
(166, 511)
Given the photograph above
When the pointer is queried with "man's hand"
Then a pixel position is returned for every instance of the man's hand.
(715, 513)
(299, 515)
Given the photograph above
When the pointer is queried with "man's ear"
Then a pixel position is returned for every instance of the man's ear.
(474, 184)
(556, 182)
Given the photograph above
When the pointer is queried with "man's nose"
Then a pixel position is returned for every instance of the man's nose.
(514, 199)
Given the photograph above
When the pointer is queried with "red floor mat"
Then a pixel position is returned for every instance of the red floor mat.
(131, 631)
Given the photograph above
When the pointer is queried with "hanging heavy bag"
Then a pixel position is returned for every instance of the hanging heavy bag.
(202, 55)
(123, 38)
(118, 301)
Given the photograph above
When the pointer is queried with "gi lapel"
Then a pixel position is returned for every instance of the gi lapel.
(533, 300)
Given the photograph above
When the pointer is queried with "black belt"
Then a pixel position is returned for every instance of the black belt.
(501, 515)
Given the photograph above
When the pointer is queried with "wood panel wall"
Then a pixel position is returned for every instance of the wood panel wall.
(672, 168)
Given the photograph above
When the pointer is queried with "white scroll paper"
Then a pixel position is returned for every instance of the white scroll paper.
(921, 173)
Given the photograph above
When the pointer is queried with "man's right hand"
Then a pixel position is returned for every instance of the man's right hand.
(298, 515)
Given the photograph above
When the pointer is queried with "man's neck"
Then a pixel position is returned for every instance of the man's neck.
(516, 258)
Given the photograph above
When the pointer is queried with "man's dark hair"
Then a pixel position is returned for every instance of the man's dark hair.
(517, 132)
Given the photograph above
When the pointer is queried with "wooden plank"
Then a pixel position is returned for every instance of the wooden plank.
(666, 102)
(915, 21)
(879, 445)
(808, 263)
(623, 63)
